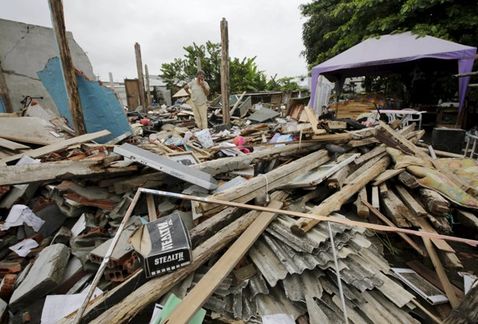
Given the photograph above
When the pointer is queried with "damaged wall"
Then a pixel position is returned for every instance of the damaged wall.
(24, 50)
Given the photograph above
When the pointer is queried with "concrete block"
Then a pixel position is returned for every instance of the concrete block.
(46, 273)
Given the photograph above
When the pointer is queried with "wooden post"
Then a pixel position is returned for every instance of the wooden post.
(198, 63)
(148, 93)
(225, 71)
(58, 22)
(4, 94)
(139, 67)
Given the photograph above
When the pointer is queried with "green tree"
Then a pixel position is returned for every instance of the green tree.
(333, 26)
(244, 74)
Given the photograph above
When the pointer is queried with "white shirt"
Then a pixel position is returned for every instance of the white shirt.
(197, 93)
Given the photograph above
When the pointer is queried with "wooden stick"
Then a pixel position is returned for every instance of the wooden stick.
(405, 237)
(426, 311)
(139, 68)
(106, 259)
(450, 293)
(225, 72)
(148, 93)
(212, 279)
(314, 217)
(58, 22)
(238, 102)
(152, 214)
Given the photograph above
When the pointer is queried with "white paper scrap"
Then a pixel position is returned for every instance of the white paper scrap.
(24, 247)
(21, 214)
(58, 306)
(204, 137)
(278, 319)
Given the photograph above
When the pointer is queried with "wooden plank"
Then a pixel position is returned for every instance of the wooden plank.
(405, 237)
(313, 120)
(362, 210)
(36, 153)
(139, 70)
(152, 213)
(69, 73)
(367, 165)
(12, 146)
(375, 198)
(369, 155)
(20, 174)
(411, 203)
(396, 210)
(335, 201)
(388, 174)
(431, 276)
(467, 218)
(226, 263)
(226, 117)
(447, 287)
(383, 189)
(148, 92)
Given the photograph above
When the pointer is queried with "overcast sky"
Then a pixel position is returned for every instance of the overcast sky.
(108, 29)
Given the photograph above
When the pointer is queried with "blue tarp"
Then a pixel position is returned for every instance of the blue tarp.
(101, 108)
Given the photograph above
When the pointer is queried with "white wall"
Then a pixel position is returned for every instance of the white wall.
(25, 50)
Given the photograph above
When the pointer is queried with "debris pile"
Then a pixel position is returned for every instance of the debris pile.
(64, 198)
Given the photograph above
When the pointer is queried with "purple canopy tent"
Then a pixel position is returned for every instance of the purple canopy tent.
(375, 54)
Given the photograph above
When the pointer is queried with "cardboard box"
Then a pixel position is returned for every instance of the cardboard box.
(164, 245)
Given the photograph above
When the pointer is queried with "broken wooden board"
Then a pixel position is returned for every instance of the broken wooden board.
(388, 174)
(59, 145)
(367, 165)
(166, 165)
(316, 176)
(396, 210)
(362, 210)
(375, 198)
(20, 174)
(369, 155)
(30, 130)
(313, 120)
(12, 146)
(410, 201)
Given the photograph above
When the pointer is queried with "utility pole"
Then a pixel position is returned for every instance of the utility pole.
(4, 94)
(139, 67)
(148, 93)
(58, 22)
(225, 71)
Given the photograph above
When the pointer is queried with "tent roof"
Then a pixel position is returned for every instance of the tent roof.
(397, 48)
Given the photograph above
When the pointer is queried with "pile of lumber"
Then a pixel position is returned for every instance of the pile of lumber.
(281, 214)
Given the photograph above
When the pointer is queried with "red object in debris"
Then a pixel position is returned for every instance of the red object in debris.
(240, 141)
(145, 122)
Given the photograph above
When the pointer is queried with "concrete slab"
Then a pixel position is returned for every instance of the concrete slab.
(46, 273)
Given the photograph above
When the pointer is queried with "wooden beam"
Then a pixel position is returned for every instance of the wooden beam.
(405, 237)
(28, 173)
(225, 71)
(139, 69)
(335, 202)
(362, 210)
(61, 145)
(375, 198)
(4, 93)
(396, 210)
(369, 155)
(367, 165)
(69, 73)
(226, 263)
(386, 175)
(148, 92)
(313, 120)
(411, 203)
(447, 286)
(383, 189)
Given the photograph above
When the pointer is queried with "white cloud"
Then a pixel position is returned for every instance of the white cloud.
(108, 29)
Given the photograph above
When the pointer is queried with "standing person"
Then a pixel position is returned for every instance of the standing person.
(198, 89)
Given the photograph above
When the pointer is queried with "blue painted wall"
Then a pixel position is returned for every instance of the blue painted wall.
(101, 108)
(2, 106)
